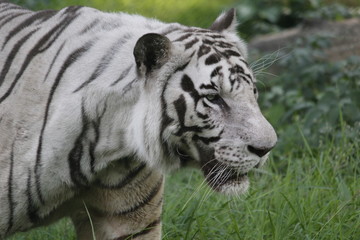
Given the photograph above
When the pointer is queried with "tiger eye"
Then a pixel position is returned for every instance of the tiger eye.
(212, 97)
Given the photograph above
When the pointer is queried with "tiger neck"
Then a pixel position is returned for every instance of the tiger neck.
(143, 134)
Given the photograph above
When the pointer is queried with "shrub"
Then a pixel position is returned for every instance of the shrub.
(317, 97)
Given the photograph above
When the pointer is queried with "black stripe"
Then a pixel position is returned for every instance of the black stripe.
(72, 58)
(96, 125)
(191, 43)
(71, 9)
(203, 50)
(129, 178)
(223, 44)
(31, 209)
(208, 86)
(165, 121)
(197, 30)
(76, 153)
(53, 61)
(231, 53)
(10, 191)
(9, 7)
(212, 59)
(128, 87)
(42, 15)
(3, 17)
(214, 36)
(206, 140)
(12, 55)
(122, 75)
(216, 71)
(182, 67)
(206, 105)
(90, 26)
(155, 190)
(237, 69)
(180, 107)
(218, 43)
(183, 37)
(202, 116)
(104, 62)
(160, 202)
(146, 230)
(10, 17)
(62, 26)
(39, 47)
(218, 100)
(145, 132)
(188, 86)
(243, 61)
(92, 147)
(170, 30)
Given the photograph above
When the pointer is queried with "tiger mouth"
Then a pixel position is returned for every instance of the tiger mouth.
(221, 178)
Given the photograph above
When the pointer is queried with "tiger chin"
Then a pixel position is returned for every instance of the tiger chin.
(95, 107)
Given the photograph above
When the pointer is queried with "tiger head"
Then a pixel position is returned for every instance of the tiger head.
(208, 102)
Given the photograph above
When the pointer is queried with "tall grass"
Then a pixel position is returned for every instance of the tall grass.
(299, 195)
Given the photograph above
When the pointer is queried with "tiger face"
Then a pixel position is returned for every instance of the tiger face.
(217, 121)
(210, 115)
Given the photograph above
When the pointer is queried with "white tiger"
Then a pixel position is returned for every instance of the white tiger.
(95, 107)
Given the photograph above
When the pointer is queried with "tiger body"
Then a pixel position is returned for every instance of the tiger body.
(92, 115)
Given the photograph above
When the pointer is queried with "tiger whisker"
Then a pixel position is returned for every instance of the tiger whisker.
(263, 63)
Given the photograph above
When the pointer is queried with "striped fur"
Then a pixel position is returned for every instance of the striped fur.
(95, 107)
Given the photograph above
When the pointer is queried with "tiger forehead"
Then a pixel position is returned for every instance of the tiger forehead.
(204, 38)
(211, 46)
(183, 34)
(214, 50)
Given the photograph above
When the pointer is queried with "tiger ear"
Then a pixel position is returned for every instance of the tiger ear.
(225, 22)
(151, 52)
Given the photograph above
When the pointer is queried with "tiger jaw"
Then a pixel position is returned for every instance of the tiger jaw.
(229, 178)
(226, 172)
(225, 179)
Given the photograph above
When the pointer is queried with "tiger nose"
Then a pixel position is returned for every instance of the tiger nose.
(259, 151)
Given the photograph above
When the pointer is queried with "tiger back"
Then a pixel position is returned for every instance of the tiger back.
(95, 107)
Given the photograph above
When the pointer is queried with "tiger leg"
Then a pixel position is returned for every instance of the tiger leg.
(131, 212)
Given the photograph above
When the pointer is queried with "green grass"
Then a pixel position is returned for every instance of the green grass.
(60, 230)
(300, 194)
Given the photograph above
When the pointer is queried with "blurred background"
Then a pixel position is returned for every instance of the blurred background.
(306, 57)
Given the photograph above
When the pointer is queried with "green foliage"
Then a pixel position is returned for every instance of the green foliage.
(320, 97)
(334, 11)
(264, 16)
